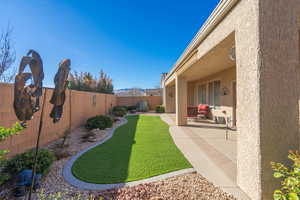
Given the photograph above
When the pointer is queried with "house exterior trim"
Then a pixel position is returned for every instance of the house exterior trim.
(219, 13)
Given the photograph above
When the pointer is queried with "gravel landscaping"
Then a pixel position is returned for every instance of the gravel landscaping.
(190, 186)
(183, 187)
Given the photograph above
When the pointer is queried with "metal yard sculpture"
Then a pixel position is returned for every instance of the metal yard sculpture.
(27, 96)
(23, 104)
(58, 96)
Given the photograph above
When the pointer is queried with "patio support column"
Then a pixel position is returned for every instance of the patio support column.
(181, 101)
(167, 99)
(267, 58)
(164, 95)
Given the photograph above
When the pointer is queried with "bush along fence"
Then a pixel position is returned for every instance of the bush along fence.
(32, 101)
(83, 106)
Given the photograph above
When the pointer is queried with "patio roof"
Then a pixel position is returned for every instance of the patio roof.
(222, 9)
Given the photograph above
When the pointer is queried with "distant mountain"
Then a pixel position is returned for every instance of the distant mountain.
(137, 92)
(127, 89)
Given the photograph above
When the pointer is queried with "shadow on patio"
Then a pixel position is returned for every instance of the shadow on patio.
(212, 154)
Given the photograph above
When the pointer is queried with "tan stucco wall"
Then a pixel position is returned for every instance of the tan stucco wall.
(226, 78)
(82, 108)
(280, 59)
(191, 94)
(267, 68)
(267, 73)
(248, 103)
(153, 101)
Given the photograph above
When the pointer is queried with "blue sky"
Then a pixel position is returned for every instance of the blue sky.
(133, 41)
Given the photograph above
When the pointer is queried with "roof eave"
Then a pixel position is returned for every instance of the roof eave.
(219, 13)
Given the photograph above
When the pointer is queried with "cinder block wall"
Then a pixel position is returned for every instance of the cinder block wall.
(153, 101)
(83, 105)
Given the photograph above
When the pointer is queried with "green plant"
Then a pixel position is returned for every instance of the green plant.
(25, 161)
(129, 108)
(290, 176)
(7, 132)
(85, 81)
(2, 153)
(119, 111)
(100, 121)
(4, 177)
(160, 109)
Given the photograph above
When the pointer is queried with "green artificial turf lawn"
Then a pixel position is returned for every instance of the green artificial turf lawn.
(140, 149)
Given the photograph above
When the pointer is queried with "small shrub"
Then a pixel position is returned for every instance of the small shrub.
(131, 109)
(142, 106)
(119, 111)
(4, 177)
(160, 109)
(100, 121)
(290, 178)
(25, 161)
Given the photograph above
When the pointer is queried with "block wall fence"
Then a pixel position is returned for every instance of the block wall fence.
(82, 105)
(153, 101)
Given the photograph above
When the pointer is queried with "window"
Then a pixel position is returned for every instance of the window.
(217, 93)
(211, 93)
(214, 93)
(202, 94)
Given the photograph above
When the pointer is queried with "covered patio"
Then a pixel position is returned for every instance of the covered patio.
(244, 64)
(210, 81)
(210, 152)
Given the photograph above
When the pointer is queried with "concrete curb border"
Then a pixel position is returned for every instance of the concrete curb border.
(71, 179)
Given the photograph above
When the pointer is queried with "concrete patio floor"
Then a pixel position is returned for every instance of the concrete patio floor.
(207, 149)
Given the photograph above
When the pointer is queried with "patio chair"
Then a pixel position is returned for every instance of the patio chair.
(203, 111)
(192, 111)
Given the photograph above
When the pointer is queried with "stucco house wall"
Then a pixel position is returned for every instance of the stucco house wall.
(192, 95)
(170, 96)
(266, 36)
(226, 78)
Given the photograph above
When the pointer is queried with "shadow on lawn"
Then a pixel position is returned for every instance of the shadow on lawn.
(108, 163)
